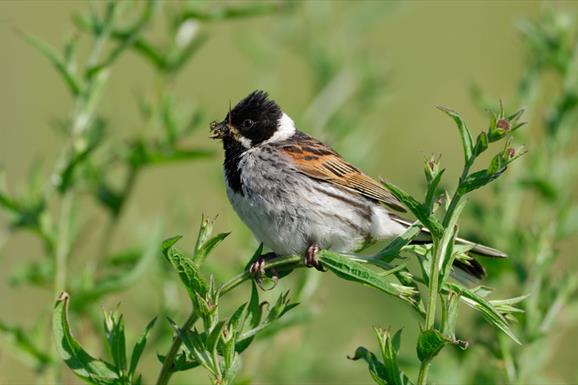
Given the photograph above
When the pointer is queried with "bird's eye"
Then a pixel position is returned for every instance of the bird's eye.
(248, 123)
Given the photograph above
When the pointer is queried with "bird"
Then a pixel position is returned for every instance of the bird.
(297, 195)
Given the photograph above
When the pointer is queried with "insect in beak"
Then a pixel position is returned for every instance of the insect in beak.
(218, 130)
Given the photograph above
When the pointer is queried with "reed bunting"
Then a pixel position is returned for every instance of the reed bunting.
(297, 195)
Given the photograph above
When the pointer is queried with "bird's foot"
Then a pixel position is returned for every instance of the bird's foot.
(257, 270)
(311, 260)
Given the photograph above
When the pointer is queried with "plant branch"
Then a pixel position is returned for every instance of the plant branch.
(167, 368)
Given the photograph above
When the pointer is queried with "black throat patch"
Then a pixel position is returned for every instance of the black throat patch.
(233, 152)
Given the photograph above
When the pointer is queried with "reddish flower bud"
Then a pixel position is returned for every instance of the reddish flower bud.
(503, 124)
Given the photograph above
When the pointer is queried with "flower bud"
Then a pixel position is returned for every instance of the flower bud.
(432, 167)
(504, 124)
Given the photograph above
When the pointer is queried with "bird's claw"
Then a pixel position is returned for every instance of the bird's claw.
(257, 271)
(257, 268)
(311, 260)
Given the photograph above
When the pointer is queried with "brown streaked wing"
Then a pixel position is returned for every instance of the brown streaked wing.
(318, 161)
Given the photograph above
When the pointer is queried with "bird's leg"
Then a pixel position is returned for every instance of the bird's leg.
(257, 268)
(311, 260)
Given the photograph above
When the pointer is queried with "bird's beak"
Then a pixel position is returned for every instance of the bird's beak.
(218, 130)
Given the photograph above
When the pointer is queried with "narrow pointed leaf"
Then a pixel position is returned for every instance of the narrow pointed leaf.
(417, 209)
(139, 347)
(188, 272)
(85, 366)
(393, 248)
(376, 368)
(64, 70)
(355, 271)
(488, 311)
(465, 134)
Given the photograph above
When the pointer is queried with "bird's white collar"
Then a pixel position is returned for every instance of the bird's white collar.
(285, 129)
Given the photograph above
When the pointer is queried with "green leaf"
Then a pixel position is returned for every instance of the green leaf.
(354, 271)
(143, 154)
(114, 329)
(429, 344)
(389, 347)
(254, 316)
(477, 179)
(450, 315)
(488, 311)
(39, 273)
(139, 44)
(135, 264)
(181, 363)
(299, 316)
(255, 310)
(233, 12)
(237, 319)
(467, 142)
(130, 36)
(109, 197)
(421, 213)
(388, 372)
(214, 337)
(22, 340)
(138, 348)
(195, 343)
(393, 248)
(63, 68)
(66, 175)
(6, 201)
(432, 189)
(543, 186)
(211, 244)
(481, 144)
(497, 165)
(258, 252)
(180, 57)
(85, 366)
(282, 306)
(448, 242)
(188, 272)
(376, 368)
(204, 244)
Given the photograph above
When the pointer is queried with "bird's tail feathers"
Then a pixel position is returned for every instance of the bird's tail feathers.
(467, 271)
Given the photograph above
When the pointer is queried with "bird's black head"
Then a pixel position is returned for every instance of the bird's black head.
(253, 121)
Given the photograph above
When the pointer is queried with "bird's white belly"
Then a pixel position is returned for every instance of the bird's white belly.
(289, 211)
(290, 223)
(271, 224)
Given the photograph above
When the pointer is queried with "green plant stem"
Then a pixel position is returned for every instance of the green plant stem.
(433, 286)
(113, 219)
(167, 368)
(61, 255)
(63, 243)
(295, 260)
(439, 252)
(431, 304)
(509, 365)
(291, 261)
(423, 372)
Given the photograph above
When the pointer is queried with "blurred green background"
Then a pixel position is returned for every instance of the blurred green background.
(423, 54)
